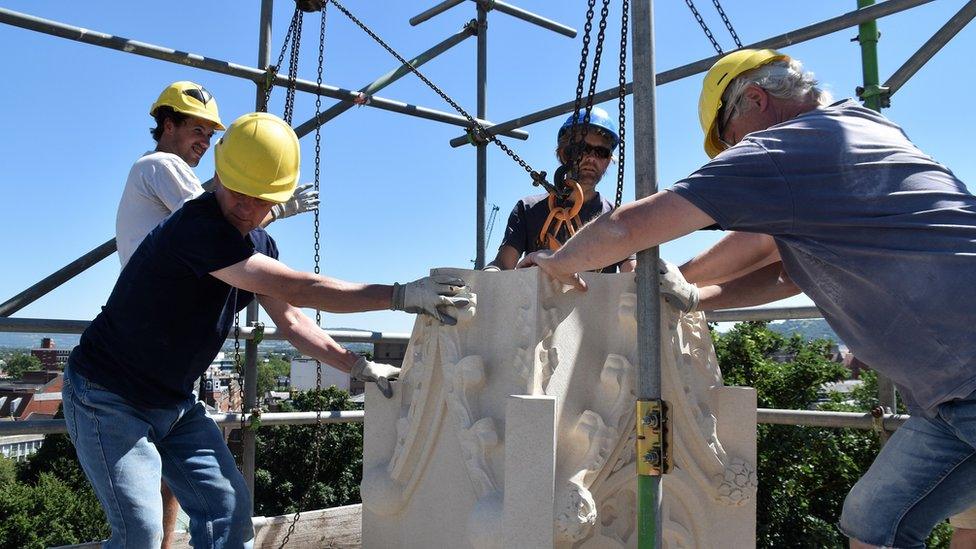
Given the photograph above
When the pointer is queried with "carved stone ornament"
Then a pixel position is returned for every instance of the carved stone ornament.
(515, 428)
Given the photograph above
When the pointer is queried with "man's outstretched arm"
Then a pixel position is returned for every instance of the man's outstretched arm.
(737, 254)
(611, 238)
(764, 285)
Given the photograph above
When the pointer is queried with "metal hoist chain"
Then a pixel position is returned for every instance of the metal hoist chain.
(293, 70)
(622, 104)
(584, 57)
(273, 69)
(318, 314)
(240, 376)
(728, 24)
(701, 22)
(479, 130)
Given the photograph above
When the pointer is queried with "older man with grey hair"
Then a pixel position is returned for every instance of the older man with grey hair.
(835, 201)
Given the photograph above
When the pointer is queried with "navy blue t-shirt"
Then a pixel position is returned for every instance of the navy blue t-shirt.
(530, 214)
(167, 317)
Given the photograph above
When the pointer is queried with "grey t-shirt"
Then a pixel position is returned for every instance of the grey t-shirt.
(878, 234)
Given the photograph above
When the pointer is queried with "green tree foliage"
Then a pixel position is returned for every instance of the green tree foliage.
(8, 471)
(286, 459)
(804, 472)
(48, 513)
(269, 371)
(19, 364)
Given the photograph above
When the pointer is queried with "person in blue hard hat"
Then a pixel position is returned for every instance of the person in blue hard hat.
(592, 145)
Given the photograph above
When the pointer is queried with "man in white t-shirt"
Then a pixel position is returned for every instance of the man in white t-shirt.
(162, 180)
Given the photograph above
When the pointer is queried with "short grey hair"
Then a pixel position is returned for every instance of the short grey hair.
(783, 79)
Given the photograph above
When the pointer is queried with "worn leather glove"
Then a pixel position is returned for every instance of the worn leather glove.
(677, 291)
(303, 200)
(375, 372)
(436, 296)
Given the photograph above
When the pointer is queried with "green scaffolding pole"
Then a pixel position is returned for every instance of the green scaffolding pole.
(872, 93)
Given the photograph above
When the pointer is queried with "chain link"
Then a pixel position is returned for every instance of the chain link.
(622, 110)
(318, 314)
(479, 130)
(728, 24)
(240, 377)
(293, 69)
(701, 22)
(273, 69)
(580, 79)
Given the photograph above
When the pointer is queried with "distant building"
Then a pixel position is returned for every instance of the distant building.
(36, 396)
(50, 357)
(303, 376)
(19, 447)
(221, 388)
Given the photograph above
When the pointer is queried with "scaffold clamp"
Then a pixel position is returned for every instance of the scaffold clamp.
(653, 434)
(258, 334)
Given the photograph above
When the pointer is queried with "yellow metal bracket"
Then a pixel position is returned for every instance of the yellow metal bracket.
(653, 438)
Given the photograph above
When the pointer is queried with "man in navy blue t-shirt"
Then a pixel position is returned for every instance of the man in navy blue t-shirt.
(832, 199)
(594, 151)
(127, 394)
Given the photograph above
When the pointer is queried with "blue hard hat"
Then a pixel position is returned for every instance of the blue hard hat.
(599, 119)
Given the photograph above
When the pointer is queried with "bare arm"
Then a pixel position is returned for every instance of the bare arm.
(735, 255)
(268, 277)
(611, 238)
(769, 283)
(506, 259)
(308, 338)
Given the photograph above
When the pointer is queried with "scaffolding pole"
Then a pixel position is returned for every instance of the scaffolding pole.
(383, 81)
(648, 293)
(931, 47)
(248, 435)
(227, 68)
(797, 36)
(481, 161)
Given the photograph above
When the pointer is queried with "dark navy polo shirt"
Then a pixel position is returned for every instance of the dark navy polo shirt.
(167, 317)
(529, 215)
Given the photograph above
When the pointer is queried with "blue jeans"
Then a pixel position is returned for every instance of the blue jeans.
(924, 474)
(125, 450)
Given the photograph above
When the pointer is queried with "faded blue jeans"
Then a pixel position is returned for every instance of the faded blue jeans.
(925, 473)
(124, 450)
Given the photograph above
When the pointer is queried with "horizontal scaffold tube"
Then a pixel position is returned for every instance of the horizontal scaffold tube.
(95, 38)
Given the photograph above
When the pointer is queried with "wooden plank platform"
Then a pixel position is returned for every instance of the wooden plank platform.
(334, 528)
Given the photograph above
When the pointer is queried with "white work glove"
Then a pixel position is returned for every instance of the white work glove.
(303, 200)
(492, 269)
(436, 296)
(677, 291)
(375, 372)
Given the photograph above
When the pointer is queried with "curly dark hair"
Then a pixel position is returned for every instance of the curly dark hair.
(162, 114)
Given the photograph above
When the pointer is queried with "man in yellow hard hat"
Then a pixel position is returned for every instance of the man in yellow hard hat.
(831, 199)
(127, 393)
(162, 180)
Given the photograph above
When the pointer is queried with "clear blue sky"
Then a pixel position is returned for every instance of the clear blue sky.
(397, 199)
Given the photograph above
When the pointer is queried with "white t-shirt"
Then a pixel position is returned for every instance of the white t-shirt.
(158, 185)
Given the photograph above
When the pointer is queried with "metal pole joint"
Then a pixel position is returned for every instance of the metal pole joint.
(653, 438)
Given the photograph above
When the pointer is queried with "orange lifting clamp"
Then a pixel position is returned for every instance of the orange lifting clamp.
(560, 216)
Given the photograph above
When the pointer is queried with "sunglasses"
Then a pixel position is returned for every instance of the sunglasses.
(578, 150)
(200, 94)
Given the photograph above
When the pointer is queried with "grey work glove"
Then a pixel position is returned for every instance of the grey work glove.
(677, 291)
(303, 200)
(436, 296)
(375, 372)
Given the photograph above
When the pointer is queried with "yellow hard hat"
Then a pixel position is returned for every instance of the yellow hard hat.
(717, 80)
(259, 156)
(191, 99)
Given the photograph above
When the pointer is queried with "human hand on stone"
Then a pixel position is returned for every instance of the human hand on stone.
(543, 259)
(439, 296)
(375, 372)
(677, 291)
